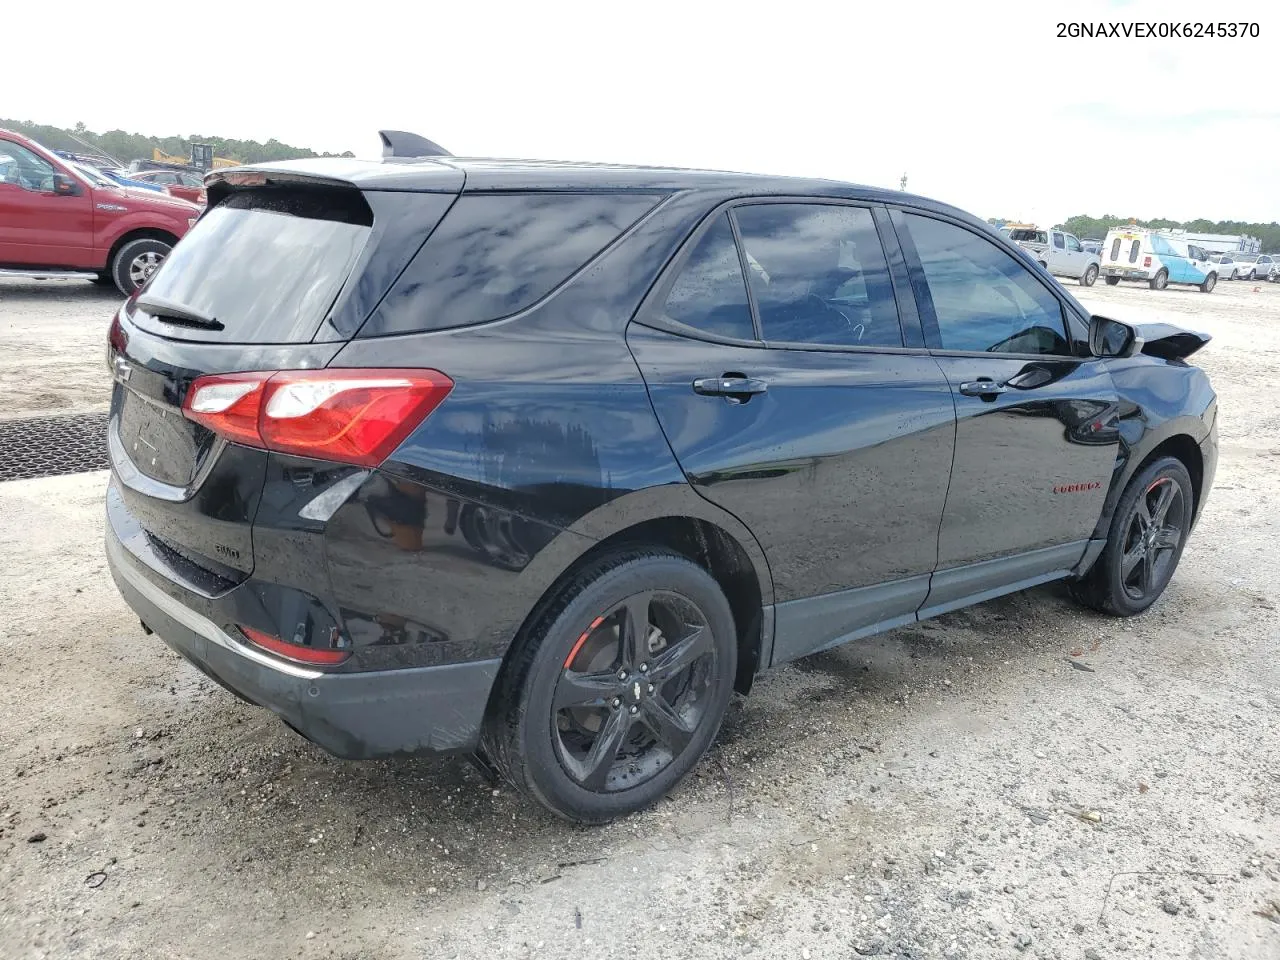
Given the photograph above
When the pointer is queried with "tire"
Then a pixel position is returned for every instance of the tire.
(543, 738)
(104, 280)
(1209, 283)
(1160, 280)
(1108, 586)
(1112, 281)
(1090, 275)
(136, 261)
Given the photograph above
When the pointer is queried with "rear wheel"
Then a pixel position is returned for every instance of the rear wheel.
(1160, 280)
(136, 261)
(1209, 283)
(1090, 275)
(104, 279)
(613, 698)
(1149, 529)
(1112, 281)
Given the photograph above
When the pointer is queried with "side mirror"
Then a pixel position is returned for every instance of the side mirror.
(64, 186)
(1111, 338)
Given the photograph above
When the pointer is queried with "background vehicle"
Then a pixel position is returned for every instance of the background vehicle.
(188, 186)
(1058, 252)
(57, 216)
(548, 459)
(1245, 264)
(1264, 266)
(1092, 246)
(1226, 265)
(1136, 254)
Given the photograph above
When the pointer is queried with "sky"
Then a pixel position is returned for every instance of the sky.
(980, 104)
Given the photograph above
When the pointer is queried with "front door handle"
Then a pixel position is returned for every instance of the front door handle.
(985, 388)
(729, 385)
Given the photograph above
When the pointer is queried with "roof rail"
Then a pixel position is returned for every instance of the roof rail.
(398, 143)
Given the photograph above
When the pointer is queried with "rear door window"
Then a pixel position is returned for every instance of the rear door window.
(496, 254)
(1115, 249)
(1058, 241)
(266, 265)
(819, 275)
(1133, 251)
(710, 293)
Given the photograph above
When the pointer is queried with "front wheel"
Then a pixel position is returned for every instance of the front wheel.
(1112, 281)
(615, 695)
(1209, 283)
(136, 261)
(1160, 280)
(1090, 275)
(1149, 530)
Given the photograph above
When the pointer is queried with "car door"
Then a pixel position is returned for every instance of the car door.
(1036, 439)
(792, 402)
(1059, 262)
(40, 226)
(1077, 258)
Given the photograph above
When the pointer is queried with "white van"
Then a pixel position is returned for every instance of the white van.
(1131, 253)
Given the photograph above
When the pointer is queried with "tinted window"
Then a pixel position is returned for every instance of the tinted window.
(1115, 249)
(266, 264)
(1133, 252)
(1029, 236)
(22, 168)
(710, 293)
(496, 254)
(983, 298)
(1058, 241)
(819, 275)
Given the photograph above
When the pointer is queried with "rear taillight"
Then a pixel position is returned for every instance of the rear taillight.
(1146, 261)
(294, 651)
(348, 416)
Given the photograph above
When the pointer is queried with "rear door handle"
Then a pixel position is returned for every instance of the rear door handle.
(729, 386)
(987, 389)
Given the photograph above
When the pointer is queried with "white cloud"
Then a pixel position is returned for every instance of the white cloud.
(980, 104)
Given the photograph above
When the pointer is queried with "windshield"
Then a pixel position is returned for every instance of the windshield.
(92, 175)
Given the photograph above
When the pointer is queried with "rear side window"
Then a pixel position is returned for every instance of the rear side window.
(265, 264)
(710, 294)
(819, 275)
(496, 254)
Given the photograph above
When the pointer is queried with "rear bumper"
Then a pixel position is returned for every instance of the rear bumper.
(352, 715)
(1125, 273)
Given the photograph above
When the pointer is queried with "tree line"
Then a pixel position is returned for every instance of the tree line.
(1084, 226)
(136, 146)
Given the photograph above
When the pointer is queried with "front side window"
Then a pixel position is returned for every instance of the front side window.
(1073, 244)
(818, 274)
(984, 299)
(22, 168)
(710, 293)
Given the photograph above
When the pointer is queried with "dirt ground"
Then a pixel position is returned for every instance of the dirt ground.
(1022, 778)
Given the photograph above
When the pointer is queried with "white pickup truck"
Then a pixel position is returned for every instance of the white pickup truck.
(1058, 252)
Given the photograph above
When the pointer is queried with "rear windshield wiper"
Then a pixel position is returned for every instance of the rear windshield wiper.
(170, 312)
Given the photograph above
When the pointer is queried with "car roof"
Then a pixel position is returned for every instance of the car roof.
(441, 174)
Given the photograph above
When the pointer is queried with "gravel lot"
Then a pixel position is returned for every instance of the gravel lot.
(1022, 778)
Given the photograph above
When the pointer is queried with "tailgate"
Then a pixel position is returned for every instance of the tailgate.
(274, 276)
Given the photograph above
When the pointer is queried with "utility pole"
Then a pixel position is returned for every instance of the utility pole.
(902, 184)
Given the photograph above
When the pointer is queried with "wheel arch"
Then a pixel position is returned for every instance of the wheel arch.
(675, 517)
(139, 233)
(1177, 442)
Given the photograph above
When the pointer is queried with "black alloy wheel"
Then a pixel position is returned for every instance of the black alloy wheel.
(618, 688)
(633, 691)
(1148, 532)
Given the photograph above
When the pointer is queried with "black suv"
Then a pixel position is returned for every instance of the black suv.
(543, 461)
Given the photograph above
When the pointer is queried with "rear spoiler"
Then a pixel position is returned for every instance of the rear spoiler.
(398, 143)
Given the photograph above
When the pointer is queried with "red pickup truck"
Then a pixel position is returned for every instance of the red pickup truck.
(58, 217)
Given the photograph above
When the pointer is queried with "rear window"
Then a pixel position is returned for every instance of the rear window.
(493, 255)
(1115, 249)
(1133, 252)
(265, 264)
(1029, 236)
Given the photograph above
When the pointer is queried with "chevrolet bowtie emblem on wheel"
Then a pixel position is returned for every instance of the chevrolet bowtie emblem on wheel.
(636, 691)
